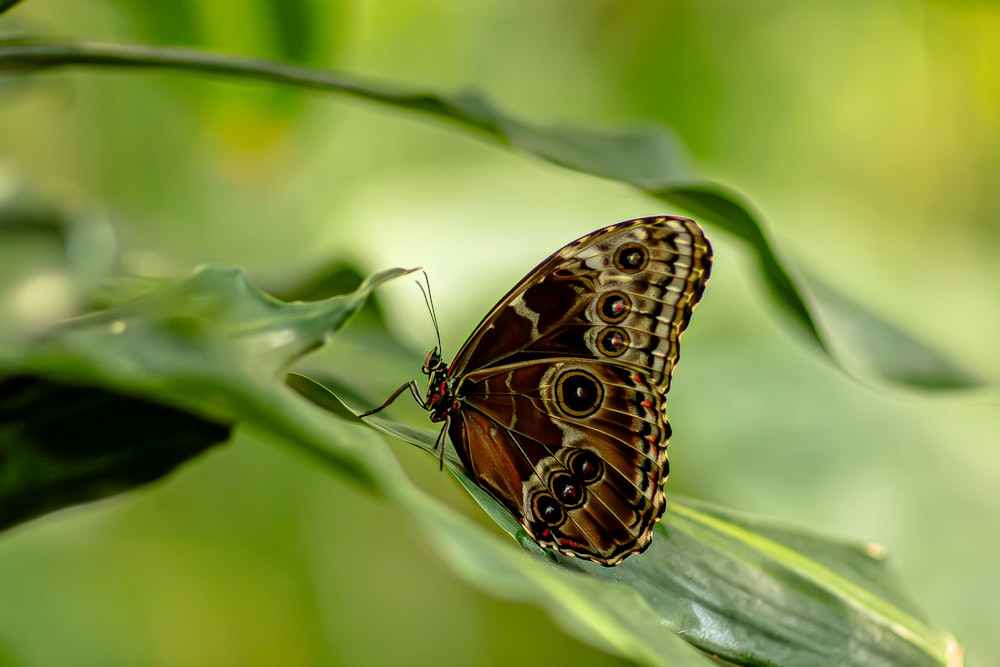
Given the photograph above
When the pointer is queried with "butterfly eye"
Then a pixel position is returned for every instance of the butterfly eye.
(631, 258)
(579, 394)
(569, 491)
(613, 341)
(548, 510)
(613, 307)
(586, 465)
(432, 362)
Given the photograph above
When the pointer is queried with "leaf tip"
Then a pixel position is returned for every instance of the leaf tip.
(876, 551)
(954, 653)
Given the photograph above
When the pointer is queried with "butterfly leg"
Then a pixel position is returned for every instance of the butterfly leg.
(440, 443)
(414, 390)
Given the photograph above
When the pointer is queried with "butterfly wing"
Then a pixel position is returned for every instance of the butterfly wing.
(575, 448)
(622, 293)
(561, 389)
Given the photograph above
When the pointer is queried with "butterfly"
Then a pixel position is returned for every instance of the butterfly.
(556, 404)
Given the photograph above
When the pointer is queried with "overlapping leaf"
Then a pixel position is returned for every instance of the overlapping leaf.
(109, 400)
(648, 158)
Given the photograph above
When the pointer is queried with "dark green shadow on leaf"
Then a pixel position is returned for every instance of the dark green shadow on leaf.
(7, 4)
(62, 444)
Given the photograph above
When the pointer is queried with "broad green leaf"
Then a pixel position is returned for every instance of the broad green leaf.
(115, 399)
(878, 348)
(751, 597)
(756, 593)
(609, 615)
(713, 204)
(647, 158)
(862, 341)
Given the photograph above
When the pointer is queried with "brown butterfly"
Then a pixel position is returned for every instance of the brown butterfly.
(556, 404)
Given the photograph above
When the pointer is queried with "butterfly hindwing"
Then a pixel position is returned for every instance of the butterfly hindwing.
(575, 448)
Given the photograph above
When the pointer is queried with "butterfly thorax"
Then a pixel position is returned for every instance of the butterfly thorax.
(441, 399)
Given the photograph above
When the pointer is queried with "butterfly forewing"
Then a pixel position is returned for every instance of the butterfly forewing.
(623, 277)
(557, 400)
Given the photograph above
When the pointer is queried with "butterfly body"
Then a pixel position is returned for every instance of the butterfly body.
(556, 404)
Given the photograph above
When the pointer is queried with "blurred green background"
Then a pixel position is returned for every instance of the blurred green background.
(868, 135)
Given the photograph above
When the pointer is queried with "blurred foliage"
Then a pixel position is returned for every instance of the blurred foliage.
(869, 135)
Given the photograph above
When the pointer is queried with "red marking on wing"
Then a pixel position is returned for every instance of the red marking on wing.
(570, 543)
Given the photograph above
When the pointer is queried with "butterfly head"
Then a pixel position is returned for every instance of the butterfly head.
(433, 363)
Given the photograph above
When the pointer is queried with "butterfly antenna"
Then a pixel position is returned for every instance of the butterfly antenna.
(429, 301)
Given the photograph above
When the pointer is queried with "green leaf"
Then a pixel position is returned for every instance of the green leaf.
(757, 593)
(713, 204)
(647, 158)
(608, 615)
(753, 597)
(863, 342)
(880, 349)
(748, 590)
(115, 399)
